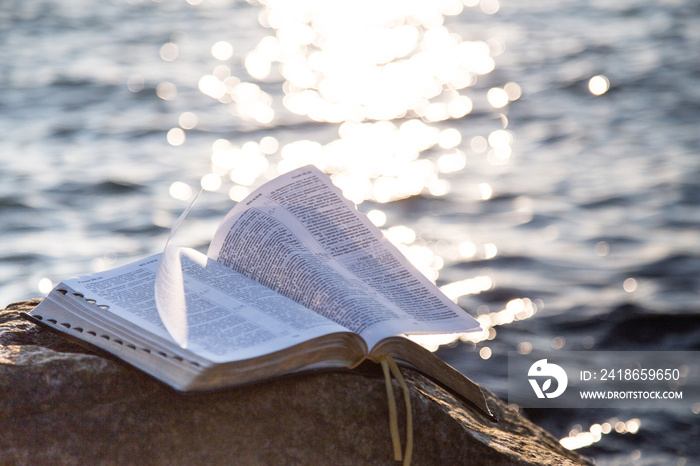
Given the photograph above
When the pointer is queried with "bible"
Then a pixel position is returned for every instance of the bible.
(295, 280)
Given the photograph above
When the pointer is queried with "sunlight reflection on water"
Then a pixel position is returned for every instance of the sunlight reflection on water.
(394, 81)
(385, 78)
(579, 438)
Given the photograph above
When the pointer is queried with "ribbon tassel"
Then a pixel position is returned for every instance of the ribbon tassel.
(389, 367)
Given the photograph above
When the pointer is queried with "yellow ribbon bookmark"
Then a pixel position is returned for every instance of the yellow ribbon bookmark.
(390, 367)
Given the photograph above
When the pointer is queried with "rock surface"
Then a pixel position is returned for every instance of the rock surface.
(62, 404)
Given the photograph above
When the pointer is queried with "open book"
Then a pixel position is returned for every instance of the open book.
(295, 279)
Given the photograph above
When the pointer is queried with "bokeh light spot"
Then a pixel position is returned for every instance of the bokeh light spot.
(497, 97)
(188, 120)
(176, 137)
(485, 352)
(210, 182)
(166, 90)
(377, 217)
(180, 190)
(222, 50)
(598, 85)
(135, 83)
(169, 52)
(45, 285)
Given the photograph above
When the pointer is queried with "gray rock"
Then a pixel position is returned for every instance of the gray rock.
(63, 404)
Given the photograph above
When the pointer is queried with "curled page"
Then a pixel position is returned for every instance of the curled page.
(299, 236)
(170, 284)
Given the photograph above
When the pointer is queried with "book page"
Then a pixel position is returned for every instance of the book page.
(298, 235)
(229, 317)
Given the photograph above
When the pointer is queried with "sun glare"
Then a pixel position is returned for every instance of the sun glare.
(393, 79)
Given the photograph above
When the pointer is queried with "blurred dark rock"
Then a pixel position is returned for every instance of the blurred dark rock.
(63, 404)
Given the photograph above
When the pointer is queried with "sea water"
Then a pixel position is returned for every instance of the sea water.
(538, 160)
